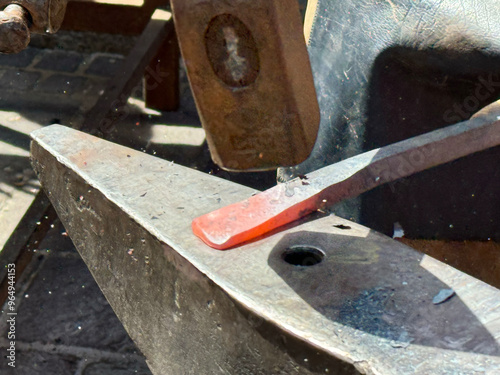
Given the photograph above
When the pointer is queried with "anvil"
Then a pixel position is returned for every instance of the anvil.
(325, 295)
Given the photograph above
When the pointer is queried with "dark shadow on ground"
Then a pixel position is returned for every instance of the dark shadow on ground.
(15, 138)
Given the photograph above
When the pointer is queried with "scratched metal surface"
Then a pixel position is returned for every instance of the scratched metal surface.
(190, 308)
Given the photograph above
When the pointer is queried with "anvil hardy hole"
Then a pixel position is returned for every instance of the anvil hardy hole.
(303, 255)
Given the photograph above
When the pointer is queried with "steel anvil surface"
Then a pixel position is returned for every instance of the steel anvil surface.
(324, 296)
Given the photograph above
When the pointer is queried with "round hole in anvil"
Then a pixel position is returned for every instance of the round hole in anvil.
(303, 255)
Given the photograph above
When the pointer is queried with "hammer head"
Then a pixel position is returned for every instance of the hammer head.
(250, 74)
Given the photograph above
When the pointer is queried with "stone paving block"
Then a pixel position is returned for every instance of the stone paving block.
(65, 306)
(19, 80)
(61, 61)
(117, 369)
(19, 60)
(105, 66)
(34, 363)
(62, 84)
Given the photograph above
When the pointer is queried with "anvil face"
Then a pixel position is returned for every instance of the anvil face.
(324, 296)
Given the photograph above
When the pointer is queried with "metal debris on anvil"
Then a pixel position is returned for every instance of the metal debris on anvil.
(443, 296)
(402, 342)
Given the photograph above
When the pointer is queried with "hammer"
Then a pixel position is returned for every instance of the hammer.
(249, 71)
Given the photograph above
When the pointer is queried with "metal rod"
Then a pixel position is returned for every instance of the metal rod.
(282, 204)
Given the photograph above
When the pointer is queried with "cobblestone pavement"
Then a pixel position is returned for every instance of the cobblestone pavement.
(56, 81)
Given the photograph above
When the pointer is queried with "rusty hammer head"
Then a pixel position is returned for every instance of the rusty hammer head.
(250, 74)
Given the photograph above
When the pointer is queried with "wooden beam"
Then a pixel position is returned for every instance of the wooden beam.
(161, 79)
(125, 19)
(480, 259)
(110, 106)
(29, 232)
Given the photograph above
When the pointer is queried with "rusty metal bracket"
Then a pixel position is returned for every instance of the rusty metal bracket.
(19, 18)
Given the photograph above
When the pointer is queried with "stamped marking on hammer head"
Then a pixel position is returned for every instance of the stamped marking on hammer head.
(251, 78)
(232, 51)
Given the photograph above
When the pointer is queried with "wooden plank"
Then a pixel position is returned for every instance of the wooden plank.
(367, 301)
(125, 19)
(161, 80)
(480, 259)
(22, 205)
(18, 185)
(29, 232)
(110, 106)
